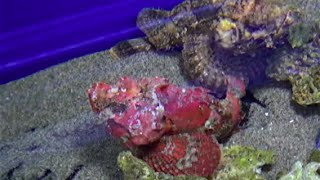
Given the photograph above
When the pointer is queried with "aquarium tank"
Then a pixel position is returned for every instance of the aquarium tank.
(159, 90)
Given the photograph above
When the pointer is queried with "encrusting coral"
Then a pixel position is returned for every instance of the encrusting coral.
(244, 163)
(239, 163)
(300, 172)
(300, 66)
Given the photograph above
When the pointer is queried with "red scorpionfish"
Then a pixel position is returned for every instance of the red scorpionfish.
(175, 128)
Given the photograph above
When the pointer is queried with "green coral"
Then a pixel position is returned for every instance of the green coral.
(306, 87)
(301, 67)
(244, 163)
(300, 34)
(298, 172)
(315, 156)
(135, 169)
(300, 62)
(308, 10)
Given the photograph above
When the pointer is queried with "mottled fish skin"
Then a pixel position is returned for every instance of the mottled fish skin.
(158, 27)
(165, 29)
(185, 154)
(211, 67)
(126, 48)
(199, 63)
(219, 38)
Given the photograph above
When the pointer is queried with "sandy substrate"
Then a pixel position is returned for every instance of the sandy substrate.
(283, 126)
(48, 130)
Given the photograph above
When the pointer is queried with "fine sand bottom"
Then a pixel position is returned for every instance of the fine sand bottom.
(48, 130)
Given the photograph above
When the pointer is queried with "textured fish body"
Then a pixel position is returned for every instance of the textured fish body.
(218, 38)
(129, 47)
(189, 154)
(211, 67)
(174, 127)
(165, 29)
(141, 111)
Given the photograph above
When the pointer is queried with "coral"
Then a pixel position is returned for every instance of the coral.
(239, 163)
(288, 62)
(315, 156)
(300, 63)
(306, 87)
(300, 34)
(308, 10)
(244, 163)
(301, 67)
(175, 128)
(134, 168)
(298, 172)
